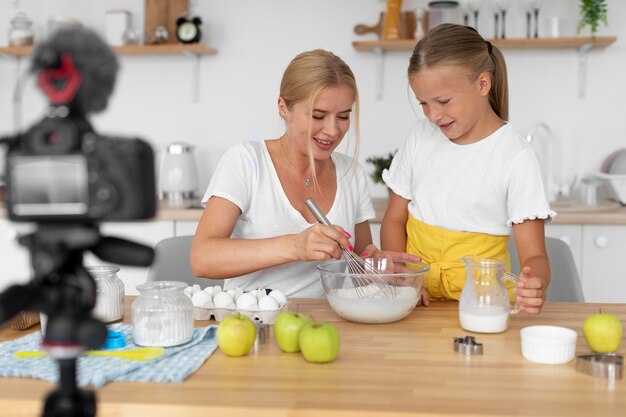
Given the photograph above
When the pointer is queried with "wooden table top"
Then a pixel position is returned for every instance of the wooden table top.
(406, 368)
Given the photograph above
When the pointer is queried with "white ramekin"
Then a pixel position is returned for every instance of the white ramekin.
(548, 344)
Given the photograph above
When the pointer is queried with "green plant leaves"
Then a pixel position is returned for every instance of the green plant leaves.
(592, 12)
(380, 163)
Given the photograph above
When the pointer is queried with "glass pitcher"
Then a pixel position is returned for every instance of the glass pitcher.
(485, 306)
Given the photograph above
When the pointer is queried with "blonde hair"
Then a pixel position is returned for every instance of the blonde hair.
(450, 44)
(306, 76)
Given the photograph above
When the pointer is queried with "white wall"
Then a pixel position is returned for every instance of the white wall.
(256, 39)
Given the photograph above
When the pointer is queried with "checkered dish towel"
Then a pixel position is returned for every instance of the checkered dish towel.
(176, 364)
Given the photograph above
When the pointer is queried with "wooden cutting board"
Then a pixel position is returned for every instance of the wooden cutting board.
(163, 13)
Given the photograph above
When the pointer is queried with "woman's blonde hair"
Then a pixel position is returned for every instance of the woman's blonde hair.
(450, 44)
(306, 76)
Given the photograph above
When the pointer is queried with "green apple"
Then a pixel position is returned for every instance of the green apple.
(319, 342)
(603, 332)
(287, 328)
(236, 334)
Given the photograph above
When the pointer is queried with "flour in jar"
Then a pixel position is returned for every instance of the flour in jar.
(377, 309)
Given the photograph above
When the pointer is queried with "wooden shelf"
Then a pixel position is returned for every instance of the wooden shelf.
(518, 43)
(162, 49)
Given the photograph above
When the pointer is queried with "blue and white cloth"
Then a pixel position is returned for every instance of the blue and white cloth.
(176, 364)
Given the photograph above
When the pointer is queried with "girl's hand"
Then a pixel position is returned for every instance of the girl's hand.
(372, 251)
(320, 243)
(531, 291)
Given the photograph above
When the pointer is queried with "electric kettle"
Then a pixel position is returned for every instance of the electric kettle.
(178, 174)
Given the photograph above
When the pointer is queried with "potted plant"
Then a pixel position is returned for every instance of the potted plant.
(380, 163)
(592, 13)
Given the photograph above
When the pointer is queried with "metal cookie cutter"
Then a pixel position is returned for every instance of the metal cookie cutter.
(262, 332)
(601, 365)
(468, 345)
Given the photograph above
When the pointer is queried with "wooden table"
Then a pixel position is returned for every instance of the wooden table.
(406, 368)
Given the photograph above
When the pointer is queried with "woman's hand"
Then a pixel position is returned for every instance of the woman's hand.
(531, 291)
(320, 243)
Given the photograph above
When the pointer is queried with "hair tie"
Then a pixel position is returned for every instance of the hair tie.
(489, 47)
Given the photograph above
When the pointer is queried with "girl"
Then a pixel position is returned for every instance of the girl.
(465, 177)
(255, 226)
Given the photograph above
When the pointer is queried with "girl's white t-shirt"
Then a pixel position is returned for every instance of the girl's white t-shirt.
(482, 187)
(246, 176)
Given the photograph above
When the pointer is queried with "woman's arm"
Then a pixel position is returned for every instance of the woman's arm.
(534, 264)
(393, 229)
(214, 254)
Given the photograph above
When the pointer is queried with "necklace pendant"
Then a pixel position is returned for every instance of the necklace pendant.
(307, 183)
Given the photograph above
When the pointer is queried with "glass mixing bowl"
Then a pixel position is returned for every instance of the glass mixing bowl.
(383, 297)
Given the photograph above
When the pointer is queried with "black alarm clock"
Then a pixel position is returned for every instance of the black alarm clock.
(188, 30)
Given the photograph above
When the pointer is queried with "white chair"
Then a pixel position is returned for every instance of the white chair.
(565, 283)
(171, 263)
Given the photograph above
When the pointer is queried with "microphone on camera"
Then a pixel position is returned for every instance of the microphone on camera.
(76, 68)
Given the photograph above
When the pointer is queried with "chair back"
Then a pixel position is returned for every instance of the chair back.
(171, 263)
(565, 283)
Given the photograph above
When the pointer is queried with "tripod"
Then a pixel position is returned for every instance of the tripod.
(63, 289)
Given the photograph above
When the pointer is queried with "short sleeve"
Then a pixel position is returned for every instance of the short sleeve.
(526, 193)
(234, 178)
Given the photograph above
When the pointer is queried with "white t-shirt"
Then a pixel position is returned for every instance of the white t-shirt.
(247, 177)
(483, 187)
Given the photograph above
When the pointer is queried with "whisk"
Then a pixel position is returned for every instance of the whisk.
(365, 287)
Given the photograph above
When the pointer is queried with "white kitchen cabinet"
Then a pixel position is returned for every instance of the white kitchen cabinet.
(604, 275)
(148, 233)
(375, 228)
(572, 234)
(14, 258)
(185, 227)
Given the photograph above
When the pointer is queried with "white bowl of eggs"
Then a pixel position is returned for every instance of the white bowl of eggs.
(214, 302)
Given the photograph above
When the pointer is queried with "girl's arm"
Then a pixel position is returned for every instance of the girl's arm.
(214, 254)
(534, 264)
(393, 229)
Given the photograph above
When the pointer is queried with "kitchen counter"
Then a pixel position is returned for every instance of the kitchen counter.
(569, 212)
(404, 369)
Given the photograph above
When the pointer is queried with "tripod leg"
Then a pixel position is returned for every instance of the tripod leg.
(68, 400)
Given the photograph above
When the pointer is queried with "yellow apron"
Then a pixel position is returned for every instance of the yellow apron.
(443, 249)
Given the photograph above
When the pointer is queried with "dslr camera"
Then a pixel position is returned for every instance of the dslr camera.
(61, 170)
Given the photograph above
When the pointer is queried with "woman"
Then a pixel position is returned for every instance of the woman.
(255, 230)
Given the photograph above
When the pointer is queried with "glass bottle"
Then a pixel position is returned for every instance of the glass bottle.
(110, 293)
(21, 30)
(162, 314)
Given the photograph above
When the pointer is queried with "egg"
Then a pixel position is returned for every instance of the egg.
(216, 290)
(279, 296)
(188, 291)
(222, 299)
(231, 306)
(238, 292)
(268, 303)
(245, 301)
(209, 290)
(201, 298)
(196, 288)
